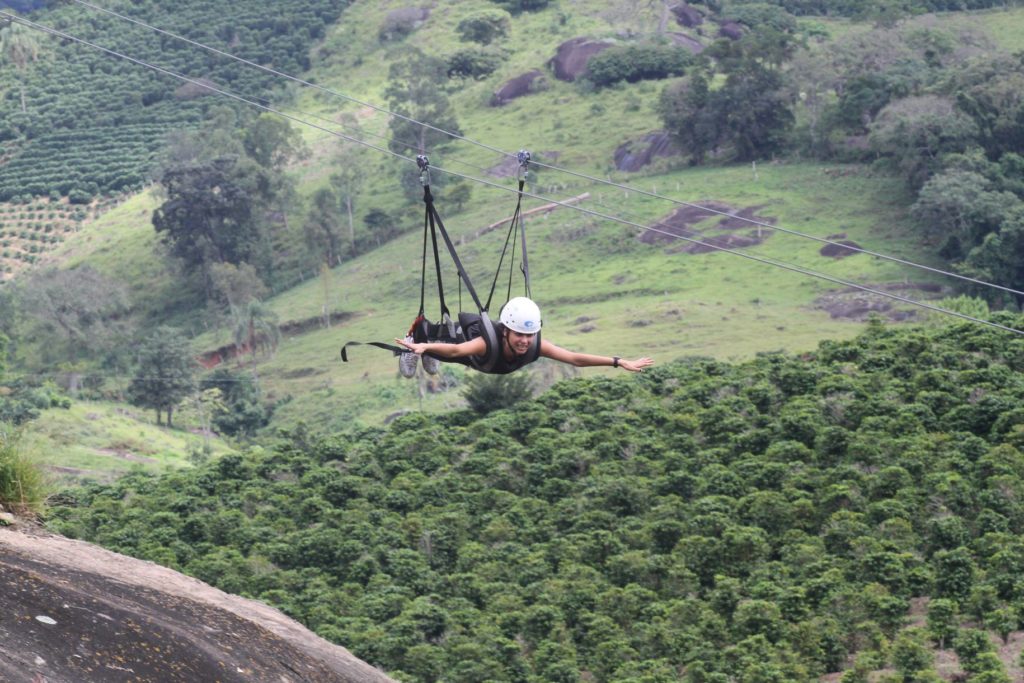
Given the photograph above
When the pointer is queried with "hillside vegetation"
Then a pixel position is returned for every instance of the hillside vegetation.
(321, 228)
(615, 293)
(811, 484)
(852, 509)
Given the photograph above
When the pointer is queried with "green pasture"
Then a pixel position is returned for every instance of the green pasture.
(98, 440)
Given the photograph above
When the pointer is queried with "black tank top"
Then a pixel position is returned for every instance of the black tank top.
(502, 366)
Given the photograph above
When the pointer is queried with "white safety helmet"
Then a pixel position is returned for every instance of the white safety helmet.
(521, 315)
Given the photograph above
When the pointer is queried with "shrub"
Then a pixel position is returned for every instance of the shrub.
(22, 487)
(472, 63)
(78, 196)
(486, 393)
(634, 63)
(484, 27)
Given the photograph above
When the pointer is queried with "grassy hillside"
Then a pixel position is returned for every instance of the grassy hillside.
(601, 288)
(100, 441)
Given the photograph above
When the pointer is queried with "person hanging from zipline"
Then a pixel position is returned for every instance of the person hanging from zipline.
(472, 339)
(519, 342)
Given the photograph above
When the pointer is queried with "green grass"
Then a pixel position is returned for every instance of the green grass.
(97, 440)
(23, 485)
(1003, 26)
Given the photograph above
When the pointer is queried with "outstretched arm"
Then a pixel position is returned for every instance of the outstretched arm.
(473, 347)
(583, 360)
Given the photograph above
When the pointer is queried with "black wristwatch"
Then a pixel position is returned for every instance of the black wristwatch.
(615, 361)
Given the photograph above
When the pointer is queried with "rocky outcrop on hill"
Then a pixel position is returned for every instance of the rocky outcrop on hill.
(570, 60)
(687, 15)
(683, 40)
(731, 29)
(72, 612)
(635, 154)
(521, 85)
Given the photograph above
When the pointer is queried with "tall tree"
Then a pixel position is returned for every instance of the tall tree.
(19, 46)
(273, 142)
(214, 213)
(686, 114)
(164, 372)
(348, 184)
(255, 328)
(917, 132)
(1000, 257)
(79, 312)
(416, 91)
(323, 227)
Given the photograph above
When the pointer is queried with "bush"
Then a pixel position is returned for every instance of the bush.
(472, 63)
(487, 393)
(484, 27)
(762, 15)
(21, 480)
(634, 63)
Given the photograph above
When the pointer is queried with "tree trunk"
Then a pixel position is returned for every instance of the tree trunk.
(351, 223)
(170, 410)
(252, 340)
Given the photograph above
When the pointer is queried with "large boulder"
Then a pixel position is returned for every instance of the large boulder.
(635, 154)
(72, 612)
(521, 85)
(402, 21)
(687, 15)
(197, 87)
(570, 61)
(733, 30)
(683, 40)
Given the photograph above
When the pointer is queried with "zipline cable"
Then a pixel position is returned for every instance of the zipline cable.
(617, 219)
(593, 179)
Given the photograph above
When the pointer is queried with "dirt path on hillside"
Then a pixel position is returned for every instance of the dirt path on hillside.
(71, 612)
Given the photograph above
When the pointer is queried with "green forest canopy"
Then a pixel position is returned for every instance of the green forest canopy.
(763, 521)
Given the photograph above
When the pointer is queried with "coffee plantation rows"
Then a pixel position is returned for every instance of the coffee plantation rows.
(101, 160)
(29, 230)
(855, 509)
(78, 122)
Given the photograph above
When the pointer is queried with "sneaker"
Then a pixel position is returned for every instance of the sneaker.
(407, 362)
(431, 364)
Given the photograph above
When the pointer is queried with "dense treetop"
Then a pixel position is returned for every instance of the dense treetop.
(764, 521)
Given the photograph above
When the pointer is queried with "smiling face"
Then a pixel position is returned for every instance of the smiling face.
(519, 342)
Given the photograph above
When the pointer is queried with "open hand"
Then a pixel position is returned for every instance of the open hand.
(637, 365)
(418, 349)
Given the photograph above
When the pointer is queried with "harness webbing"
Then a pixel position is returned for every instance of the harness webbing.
(397, 350)
(515, 226)
(428, 223)
(437, 224)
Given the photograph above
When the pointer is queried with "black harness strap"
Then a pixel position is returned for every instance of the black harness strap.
(435, 220)
(397, 350)
(516, 225)
(428, 219)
